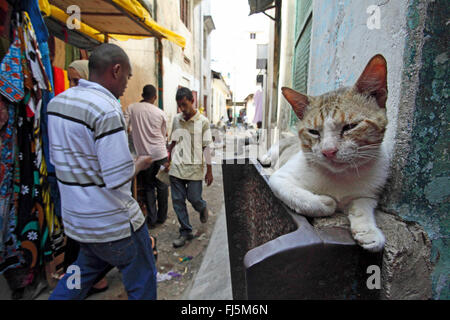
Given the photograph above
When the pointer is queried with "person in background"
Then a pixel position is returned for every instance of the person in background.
(94, 168)
(149, 132)
(77, 70)
(190, 139)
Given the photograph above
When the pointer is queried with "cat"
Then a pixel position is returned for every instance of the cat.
(339, 160)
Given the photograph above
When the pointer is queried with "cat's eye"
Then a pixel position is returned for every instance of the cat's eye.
(314, 132)
(349, 126)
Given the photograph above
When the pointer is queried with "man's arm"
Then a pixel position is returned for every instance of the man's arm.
(169, 159)
(170, 149)
(207, 140)
(126, 115)
(209, 176)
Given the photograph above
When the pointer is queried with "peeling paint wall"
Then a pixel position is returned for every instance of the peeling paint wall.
(413, 37)
(422, 186)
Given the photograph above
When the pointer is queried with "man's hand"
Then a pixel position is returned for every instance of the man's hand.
(166, 166)
(209, 177)
(142, 163)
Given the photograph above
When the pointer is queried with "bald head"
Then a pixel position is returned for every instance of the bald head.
(109, 65)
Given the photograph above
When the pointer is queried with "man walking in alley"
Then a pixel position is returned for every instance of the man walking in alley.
(148, 129)
(190, 140)
(94, 168)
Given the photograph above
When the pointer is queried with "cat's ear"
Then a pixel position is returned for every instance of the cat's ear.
(373, 80)
(298, 101)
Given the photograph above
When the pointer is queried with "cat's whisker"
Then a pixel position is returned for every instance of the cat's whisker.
(353, 164)
(369, 147)
(371, 156)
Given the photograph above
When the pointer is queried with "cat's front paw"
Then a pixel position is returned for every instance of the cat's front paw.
(265, 160)
(369, 237)
(315, 206)
(327, 206)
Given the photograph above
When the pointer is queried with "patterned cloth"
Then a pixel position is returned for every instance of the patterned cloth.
(10, 256)
(11, 77)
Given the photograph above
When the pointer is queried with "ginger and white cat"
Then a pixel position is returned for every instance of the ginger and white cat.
(339, 161)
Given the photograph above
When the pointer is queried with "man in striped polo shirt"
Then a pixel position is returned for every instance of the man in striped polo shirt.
(94, 168)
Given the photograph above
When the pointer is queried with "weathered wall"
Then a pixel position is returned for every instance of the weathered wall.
(144, 70)
(183, 66)
(420, 188)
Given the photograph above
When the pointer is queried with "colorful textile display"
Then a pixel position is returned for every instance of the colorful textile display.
(26, 205)
(33, 54)
(11, 77)
(59, 81)
(10, 256)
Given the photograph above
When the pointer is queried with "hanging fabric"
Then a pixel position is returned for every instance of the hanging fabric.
(11, 77)
(10, 256)
(58, 80)
(33, 54)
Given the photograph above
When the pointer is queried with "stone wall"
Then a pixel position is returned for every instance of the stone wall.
(413, 37)
(419, 189)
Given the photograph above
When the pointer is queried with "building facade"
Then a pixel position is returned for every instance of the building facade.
(168, 66)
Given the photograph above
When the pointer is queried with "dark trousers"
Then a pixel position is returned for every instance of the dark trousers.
(133, 256)
(186, 189)
(71, 254)
(155, 213)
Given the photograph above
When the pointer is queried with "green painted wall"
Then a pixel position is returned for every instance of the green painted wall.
(425, 193)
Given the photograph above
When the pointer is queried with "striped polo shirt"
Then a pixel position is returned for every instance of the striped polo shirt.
(93, 165)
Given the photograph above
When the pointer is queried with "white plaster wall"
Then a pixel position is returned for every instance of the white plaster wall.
(219, 96)
(286, 60)
(342, 44)
(174, 75)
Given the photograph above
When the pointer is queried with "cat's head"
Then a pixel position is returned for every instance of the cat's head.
(344, 129)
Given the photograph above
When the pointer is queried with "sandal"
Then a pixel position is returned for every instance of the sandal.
(94, 290)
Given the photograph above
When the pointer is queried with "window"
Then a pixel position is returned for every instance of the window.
(301, 51)
(184, 12)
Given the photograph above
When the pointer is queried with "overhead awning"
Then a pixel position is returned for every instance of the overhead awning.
(257, 6)
(103, 19)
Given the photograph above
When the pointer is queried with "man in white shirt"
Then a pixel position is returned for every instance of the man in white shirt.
(94, 169)
(190, 153)
(149, 130)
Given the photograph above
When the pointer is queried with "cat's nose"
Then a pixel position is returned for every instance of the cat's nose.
(330, 153)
